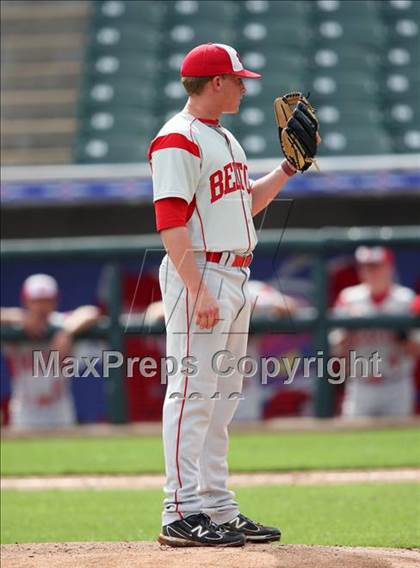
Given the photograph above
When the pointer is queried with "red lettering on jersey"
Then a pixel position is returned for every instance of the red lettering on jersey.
(238, 169)
(216, 186)
(233, 177)
(247, 184)
(230, 184)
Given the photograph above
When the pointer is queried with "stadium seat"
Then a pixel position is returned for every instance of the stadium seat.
(329, 87)
(123, 68)
(345, 57)
(271, 33)
(187, 35)
(402, 116)
(252, 116)
(281, 9)
(398, 9)
(119, 11)
(265, 60)
(343, 9)
(401, 57)
(259, 143)
(273, 85)
(404, 33)
(102, 149)
(399, 86)
(407, 140)
(127, 37)
(108, 90)
(192, 11)
(355, 142)
(338, 114)
(335, 33)
(118, 121)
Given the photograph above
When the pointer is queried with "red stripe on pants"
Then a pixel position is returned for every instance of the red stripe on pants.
(182, 410)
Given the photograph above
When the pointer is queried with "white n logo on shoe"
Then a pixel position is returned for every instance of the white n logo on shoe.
(237, 523)
(201, 531)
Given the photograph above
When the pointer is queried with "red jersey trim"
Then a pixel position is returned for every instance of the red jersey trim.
(173, 141)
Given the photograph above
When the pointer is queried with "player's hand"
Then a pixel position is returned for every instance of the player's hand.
(62, 341)
(206, 307)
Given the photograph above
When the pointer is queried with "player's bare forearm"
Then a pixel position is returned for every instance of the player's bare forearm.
(11, 316)
(265, 189)
(178, 245)
(81, 318)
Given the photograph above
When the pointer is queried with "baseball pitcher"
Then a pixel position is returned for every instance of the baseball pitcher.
(204, 204)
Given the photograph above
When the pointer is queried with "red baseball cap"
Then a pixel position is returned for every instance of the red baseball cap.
(374, 255)
(211, 59)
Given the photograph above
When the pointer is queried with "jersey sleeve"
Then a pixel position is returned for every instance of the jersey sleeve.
(58, 319)
(340, 307)
(336, 335)
(176, 163)
(170, 212)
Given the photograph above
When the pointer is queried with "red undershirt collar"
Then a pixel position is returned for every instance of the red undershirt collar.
(379, 298)
(213, 121)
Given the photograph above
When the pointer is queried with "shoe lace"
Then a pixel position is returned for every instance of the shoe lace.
(248, 520)
(207, 522)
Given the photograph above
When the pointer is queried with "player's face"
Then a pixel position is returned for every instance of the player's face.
(377, 275)
(233, 89)
(41, 308)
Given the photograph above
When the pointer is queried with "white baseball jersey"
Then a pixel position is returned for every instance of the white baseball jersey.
(357, 301)
(205, 165)
(38, 402)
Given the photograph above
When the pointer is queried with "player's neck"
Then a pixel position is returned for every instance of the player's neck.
(380, 293)
(202, 109)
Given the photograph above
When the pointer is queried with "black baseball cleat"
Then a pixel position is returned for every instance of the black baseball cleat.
(253, 532)
(199, 530)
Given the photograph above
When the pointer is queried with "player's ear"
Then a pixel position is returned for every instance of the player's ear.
(217, 82)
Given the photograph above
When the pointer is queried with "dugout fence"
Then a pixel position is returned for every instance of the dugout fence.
(318, 321)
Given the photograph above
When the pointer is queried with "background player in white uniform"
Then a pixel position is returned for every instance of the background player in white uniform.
(204, 202)
(392, 394)
(42, 401)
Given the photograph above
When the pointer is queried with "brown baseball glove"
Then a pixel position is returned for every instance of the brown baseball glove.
(298, 129)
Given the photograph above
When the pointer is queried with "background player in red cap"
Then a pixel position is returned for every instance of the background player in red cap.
(42, 401)
(392, 393)
(204, 203)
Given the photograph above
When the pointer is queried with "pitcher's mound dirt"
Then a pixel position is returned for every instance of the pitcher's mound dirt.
(152, 555)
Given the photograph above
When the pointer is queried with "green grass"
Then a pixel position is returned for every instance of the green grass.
(248, 452)
(356, 515)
